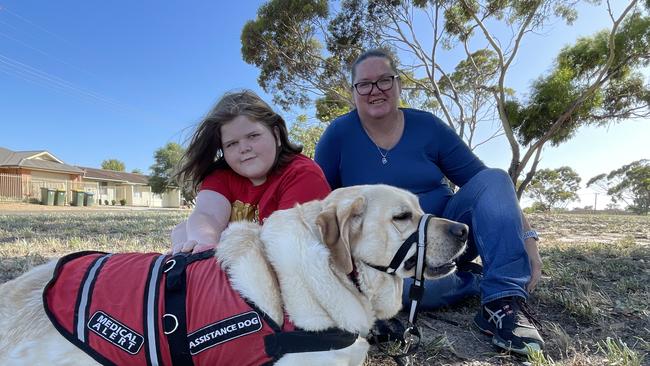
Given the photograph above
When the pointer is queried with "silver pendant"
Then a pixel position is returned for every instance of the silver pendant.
(384, 160)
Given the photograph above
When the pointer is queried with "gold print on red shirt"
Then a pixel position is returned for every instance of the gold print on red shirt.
(244, 212)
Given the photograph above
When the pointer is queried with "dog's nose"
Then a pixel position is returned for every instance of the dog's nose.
(459, 231)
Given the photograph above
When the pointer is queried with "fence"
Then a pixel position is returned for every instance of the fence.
(27, 189)
(11, 187)
(24, 188)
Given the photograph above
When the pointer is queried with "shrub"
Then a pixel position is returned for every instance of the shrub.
(123, 201)
(106, 202)
(113, 202)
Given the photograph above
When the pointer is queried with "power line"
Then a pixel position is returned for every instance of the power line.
(17, 68)
(14, 14)
(46, 54)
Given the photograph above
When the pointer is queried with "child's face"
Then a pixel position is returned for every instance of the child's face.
(249, 148)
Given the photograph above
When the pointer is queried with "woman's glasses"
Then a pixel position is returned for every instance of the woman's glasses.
(383, 84)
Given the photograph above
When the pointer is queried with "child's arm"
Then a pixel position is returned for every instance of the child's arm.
(204, 225)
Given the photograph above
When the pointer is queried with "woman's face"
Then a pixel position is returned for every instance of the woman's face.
(377, 104)
(249, 148)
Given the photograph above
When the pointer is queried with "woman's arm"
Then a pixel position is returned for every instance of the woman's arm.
(328, 155)
(534, 258)
(204, 225)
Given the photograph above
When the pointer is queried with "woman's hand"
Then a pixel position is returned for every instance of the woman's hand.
(535, 263)
(191, 246)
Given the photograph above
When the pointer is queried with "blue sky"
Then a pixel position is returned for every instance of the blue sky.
(90, 80)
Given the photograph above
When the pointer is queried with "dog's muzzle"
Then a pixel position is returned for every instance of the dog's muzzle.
(418, 237)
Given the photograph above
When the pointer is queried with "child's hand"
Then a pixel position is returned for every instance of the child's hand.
(191, 246)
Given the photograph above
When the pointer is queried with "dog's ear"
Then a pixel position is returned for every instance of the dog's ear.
(335, 225)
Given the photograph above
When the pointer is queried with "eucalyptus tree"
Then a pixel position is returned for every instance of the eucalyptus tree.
(554, 188)
(303, 47)
(629, 184)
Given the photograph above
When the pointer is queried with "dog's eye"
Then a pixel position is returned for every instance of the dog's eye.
(403, 216)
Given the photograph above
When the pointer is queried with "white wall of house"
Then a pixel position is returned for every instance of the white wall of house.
(36, 174)
(136, 195)
(141, 196)
(108, 191)
(172, 198)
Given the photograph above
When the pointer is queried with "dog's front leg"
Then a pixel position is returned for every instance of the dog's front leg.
(354, 355)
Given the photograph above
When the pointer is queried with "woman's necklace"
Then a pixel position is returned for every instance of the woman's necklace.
(382, 153)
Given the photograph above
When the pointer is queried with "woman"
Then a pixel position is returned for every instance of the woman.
(411, 149)
(244, 167)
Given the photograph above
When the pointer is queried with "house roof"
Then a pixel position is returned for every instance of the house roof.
(37, 160)
(114, 176)
(43, 160)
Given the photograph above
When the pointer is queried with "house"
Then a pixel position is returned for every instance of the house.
(37, 165)
(132, 187)
(24, 173)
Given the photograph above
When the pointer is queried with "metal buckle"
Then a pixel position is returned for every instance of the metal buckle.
(169, 265)
(175, 326)
(411, 339)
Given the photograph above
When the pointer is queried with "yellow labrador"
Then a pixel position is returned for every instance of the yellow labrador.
(315, 264)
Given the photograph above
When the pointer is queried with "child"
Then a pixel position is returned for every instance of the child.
(244, 167)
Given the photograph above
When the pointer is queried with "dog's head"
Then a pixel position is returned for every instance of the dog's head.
(370, 223)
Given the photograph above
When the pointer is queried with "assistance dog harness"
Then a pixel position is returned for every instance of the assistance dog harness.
(152, 309)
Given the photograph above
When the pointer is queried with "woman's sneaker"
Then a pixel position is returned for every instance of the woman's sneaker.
(509, 322)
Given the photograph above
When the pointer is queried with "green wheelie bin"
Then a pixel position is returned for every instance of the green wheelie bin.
(89, 199)
(59, 197)
(47, 196)
(77, 198)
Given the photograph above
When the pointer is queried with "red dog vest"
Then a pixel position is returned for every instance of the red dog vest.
(151, 309)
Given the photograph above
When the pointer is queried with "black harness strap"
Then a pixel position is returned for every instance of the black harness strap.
(174, 320)
(417, 287)
(279, 344)
(411, 337)
(398, 258)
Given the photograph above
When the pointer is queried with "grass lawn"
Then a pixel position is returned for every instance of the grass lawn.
(592, 301)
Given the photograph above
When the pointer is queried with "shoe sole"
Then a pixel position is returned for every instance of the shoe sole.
(522, 351)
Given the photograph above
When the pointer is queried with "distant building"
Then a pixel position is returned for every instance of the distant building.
(23, 173)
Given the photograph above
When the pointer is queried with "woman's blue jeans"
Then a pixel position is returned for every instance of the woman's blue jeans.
(489, 206)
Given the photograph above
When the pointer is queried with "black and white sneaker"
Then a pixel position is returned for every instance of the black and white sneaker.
(511, 325)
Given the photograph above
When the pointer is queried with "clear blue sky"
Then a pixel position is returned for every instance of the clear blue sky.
(89, 80)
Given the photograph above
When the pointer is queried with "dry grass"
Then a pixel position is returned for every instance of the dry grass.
(593, 299)
(28, 239)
